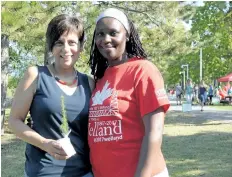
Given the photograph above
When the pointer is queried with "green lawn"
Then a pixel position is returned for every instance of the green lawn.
(221, 107)
(12, 153)
(13, 159)
(194, 145)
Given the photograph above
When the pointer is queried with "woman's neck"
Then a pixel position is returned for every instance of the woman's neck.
(116, 62)
(63, 72)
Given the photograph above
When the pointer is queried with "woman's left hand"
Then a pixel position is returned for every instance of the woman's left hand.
(54, 149)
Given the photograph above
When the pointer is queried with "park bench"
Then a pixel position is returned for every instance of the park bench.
(226, 100)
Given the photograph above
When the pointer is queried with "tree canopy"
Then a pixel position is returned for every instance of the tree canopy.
(161, 26)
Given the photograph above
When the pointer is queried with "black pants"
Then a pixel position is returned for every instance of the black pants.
(210, 98)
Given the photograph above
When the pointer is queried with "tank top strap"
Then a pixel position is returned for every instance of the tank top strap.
(83, 79)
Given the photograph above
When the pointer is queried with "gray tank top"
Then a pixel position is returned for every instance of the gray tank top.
(46, 115)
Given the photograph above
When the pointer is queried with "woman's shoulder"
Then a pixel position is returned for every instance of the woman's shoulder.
(144, 64)
(30, 77)
(32, 71)
(90, 79)
(82, 74)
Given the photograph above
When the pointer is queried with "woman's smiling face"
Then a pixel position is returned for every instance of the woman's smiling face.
(67, 49)
(110, 39)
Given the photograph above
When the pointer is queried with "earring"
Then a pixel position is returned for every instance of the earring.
(127, 39)
(50, 54)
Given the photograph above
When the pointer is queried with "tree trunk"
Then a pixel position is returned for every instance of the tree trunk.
(4, 76)
(48, 57)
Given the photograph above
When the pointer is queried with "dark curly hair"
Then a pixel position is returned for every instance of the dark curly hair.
(98, 63)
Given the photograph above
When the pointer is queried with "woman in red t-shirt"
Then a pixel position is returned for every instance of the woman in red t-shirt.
(128, 105)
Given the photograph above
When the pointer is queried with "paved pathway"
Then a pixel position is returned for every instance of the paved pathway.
(175, 107)
(208, 113)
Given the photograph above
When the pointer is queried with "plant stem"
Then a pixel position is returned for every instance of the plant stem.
(64, 125)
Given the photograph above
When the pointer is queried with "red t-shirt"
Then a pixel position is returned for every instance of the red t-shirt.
(120, 100)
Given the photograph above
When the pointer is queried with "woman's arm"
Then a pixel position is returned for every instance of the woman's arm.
(151, 161)
(20, 107)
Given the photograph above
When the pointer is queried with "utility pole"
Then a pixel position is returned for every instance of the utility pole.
(184, 78)
(200, 64)
(183, 81)
(187, 66)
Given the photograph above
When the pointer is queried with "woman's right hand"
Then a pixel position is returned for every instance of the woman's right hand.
(54, 149)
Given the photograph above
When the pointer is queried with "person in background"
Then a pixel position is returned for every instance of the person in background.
(227, 87)
(128, 105)
(40, 92)
(222, 93)
(202, 93)
(230, 91)
(196, 92)
(210, 94)
(172, 92)
(179, 92)
(216, 92)
(189, 91)
(229, 94)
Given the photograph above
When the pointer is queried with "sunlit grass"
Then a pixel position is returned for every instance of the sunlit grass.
(194, 145)
(221, 107)
(197, 146)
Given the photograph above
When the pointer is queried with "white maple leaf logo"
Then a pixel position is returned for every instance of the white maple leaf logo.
(101, 96)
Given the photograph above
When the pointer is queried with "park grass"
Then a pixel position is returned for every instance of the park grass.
(12, 155)
(221, 107)
(194, 145)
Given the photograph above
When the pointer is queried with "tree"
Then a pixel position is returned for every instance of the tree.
(213, 26)
(4, 74)
(160, 25)
(22, 24)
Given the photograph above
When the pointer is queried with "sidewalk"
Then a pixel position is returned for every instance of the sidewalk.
(209, 113)
(175, 107)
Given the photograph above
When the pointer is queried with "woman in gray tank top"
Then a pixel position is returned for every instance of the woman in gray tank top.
(54, 95)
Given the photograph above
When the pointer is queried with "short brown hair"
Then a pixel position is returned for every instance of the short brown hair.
(61, 23)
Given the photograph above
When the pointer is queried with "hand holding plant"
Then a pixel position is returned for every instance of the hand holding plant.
(65, 142)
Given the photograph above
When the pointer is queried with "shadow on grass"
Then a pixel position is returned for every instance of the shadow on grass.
(198, 118)
(13, 158)
(203, 154)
